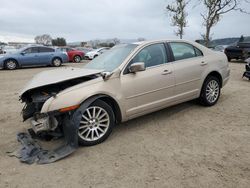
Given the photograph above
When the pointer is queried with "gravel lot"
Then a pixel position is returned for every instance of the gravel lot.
(183, 146)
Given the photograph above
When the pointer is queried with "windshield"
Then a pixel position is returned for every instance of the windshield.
(112, 58)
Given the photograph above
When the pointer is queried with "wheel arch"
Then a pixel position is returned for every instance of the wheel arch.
(217, 75)
(110, 101)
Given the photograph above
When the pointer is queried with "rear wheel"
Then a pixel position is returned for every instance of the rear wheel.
(11, 64)
(56, 62)
(77, 59)
(96, 123)
(210, 92)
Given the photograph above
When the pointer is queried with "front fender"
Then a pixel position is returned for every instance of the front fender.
(79, 95)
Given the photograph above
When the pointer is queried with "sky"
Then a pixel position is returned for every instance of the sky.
(83, 20)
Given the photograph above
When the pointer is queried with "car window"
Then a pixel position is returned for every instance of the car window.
(44, 49)
(183, 50)
(102, 50)
(198, 52)
(63, 49)
(31, 50)
(152, 55)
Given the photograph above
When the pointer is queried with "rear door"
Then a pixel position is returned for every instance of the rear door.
(148, 90)
(45, 55)
(189, 65)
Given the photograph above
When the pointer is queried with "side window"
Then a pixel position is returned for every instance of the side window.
(44, 50)
(31, 50)
(198, 52)
(182, 50)
(28, 50)
(152, 55)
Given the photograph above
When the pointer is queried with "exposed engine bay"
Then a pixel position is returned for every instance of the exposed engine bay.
(34, 100)
(51, 125)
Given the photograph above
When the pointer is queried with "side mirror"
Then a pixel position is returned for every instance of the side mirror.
(23, 53)
(136, 67)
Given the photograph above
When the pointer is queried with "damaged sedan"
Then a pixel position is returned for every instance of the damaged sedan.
(126, 82)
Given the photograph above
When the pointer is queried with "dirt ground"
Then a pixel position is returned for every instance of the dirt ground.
(183, 146)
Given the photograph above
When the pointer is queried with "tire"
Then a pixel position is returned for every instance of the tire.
(11, 64)
(77, 59)
(56, 62)
(94, 131)
(210, 92)
(95, 56)
(228, 59)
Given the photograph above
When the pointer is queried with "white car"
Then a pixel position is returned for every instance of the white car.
(93, 54)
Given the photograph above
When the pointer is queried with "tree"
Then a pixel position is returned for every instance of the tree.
(241, 38)
(141, 39)
(214, 11)
(59, 42)
(178, 14)
(116, 41)
(44, 39)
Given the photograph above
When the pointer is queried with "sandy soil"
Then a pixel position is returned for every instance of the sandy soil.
(183, 146)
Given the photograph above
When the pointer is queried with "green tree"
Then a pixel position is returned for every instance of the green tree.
(178, 14)
(59, 42)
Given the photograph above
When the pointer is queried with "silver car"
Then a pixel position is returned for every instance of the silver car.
(128, 81)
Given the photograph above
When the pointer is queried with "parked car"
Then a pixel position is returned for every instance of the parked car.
(93, 54)
(220, 48)
(239, 51)
(128, 81)
(84, 49)
(9, 49)
(33, 56)
(73, 54)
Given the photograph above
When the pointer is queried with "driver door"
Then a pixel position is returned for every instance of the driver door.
(151, 89)
(29, 56)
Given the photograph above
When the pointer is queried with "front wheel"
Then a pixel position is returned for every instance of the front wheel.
(96, 123)
(210, 91)
(11, 64)
(56, 62)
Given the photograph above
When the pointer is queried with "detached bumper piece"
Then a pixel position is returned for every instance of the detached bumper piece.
(31, 152)
(246, 74)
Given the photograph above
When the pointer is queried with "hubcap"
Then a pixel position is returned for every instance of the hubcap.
(11, 65)
(57, 62)
(77, 59)
(212, 91)
(94, 123)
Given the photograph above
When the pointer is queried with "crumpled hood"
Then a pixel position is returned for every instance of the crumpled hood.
(56, 76)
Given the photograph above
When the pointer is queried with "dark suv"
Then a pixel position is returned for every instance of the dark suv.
(240, 50)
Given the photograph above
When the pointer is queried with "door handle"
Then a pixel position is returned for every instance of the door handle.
(165, 72)
(203, 63)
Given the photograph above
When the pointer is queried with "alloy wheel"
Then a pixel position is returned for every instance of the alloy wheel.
(11, 65)
(56, 62)
(77, 59)
(94, 123)
(212, 91)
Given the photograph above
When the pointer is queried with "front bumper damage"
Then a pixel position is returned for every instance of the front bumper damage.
(30, 151)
